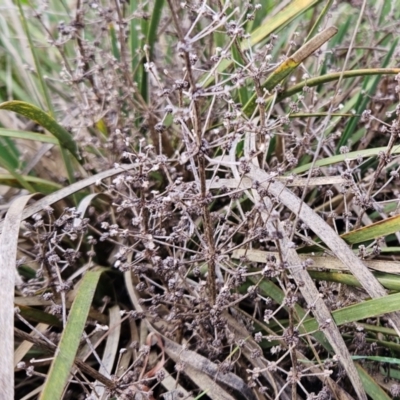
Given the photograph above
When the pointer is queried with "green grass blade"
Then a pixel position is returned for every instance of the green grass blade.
(58, 375)
(38, 185)
(373, 231)
(320, 80)
(34, 314)
(149, 29)
(23, 183)
(243, 92)
(292, 10)
(369, 88)
(320, 114)
(143, 76)
(336, 40)
(114, 43)
(353, 155)
(259, 15)
(371, 387)
(134, 40)
(270, 289)
(389, 281)
(34, 136)
(386, 360)
(361, 311)
(9, 152)
(154, 24)
(319, 20)
(46, 121)
(43, 86)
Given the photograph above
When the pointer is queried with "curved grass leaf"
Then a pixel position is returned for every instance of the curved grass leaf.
(58, 375)
(46, 121)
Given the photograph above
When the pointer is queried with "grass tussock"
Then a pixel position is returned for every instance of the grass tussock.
(200, 200)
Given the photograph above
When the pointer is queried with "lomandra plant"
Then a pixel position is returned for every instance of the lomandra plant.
(199, 200)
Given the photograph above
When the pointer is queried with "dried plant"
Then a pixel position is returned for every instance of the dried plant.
(219, 209)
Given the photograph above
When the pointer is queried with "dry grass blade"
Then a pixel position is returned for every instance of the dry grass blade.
(175, 391)
(8, 253)
(324, 262)
(288, 181)
(111, 349)
(327, 234)
(201, 370)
